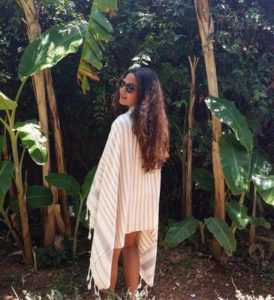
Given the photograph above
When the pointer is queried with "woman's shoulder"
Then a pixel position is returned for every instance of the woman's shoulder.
(122, 120)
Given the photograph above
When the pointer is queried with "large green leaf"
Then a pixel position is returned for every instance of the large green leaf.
(38, 196)
(98, 31)
(87, 182)
(6, 103)
(180, 231)
(235, 161)
(51, 46)
(227, 112)
(88, 55)
(238, 214)
(6, 173)
(101, 19)
(33, 140)
(222, 234)
(93, 45)
(65, 182)
(203, 179)
(265, 187)
(260, 165)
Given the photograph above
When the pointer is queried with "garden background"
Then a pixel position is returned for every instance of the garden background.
(60, 62)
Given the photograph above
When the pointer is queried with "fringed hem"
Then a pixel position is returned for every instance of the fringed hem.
(142, 289)
(95, 287)
(145, 287)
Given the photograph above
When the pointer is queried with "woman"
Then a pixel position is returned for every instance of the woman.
(123, 201)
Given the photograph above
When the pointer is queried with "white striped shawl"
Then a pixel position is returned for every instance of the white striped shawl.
(122, 199)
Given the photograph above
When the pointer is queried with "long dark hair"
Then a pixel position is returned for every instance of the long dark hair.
(150, 123)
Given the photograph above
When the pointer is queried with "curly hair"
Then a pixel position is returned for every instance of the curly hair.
(150, 123)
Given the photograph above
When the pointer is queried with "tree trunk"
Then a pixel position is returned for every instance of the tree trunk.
(188, 174)
(59, 150)
(206, 29)
(38, 81)
(42, 84)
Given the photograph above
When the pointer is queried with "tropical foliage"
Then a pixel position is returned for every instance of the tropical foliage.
(161, 34)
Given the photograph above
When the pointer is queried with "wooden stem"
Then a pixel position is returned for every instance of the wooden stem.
(188, 174)
(28, 255)
(38, 80)
(206, 29)
(58, 144)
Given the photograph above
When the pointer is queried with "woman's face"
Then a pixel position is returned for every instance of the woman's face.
(129, 90)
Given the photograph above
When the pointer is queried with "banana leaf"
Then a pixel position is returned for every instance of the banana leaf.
(235, 161)
(238, 214)
(98, 31)
(265, 187)
(52, 46)
(33, 140)
(227, 112)
(38, 196)
(222, 234)
(180, 231)
(65, 182)
(6, 103)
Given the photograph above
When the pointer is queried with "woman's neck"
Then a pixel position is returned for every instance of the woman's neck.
(131, 108)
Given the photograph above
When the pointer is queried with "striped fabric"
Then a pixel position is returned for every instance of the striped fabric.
(122, 199)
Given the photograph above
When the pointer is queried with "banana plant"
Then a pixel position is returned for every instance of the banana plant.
(241, 165)
(98, 31)
(78, 193)
(51, 47)
(32, 141)
(180, 231)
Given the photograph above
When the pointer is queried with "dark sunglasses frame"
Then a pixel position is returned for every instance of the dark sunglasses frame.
(130, 87)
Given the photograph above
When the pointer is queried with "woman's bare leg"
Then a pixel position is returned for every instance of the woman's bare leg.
(131, 261)
(114, 268)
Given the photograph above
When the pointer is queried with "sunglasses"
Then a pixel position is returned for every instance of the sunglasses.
(130, 87)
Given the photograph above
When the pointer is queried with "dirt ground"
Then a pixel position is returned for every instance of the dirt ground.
(181, 273)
